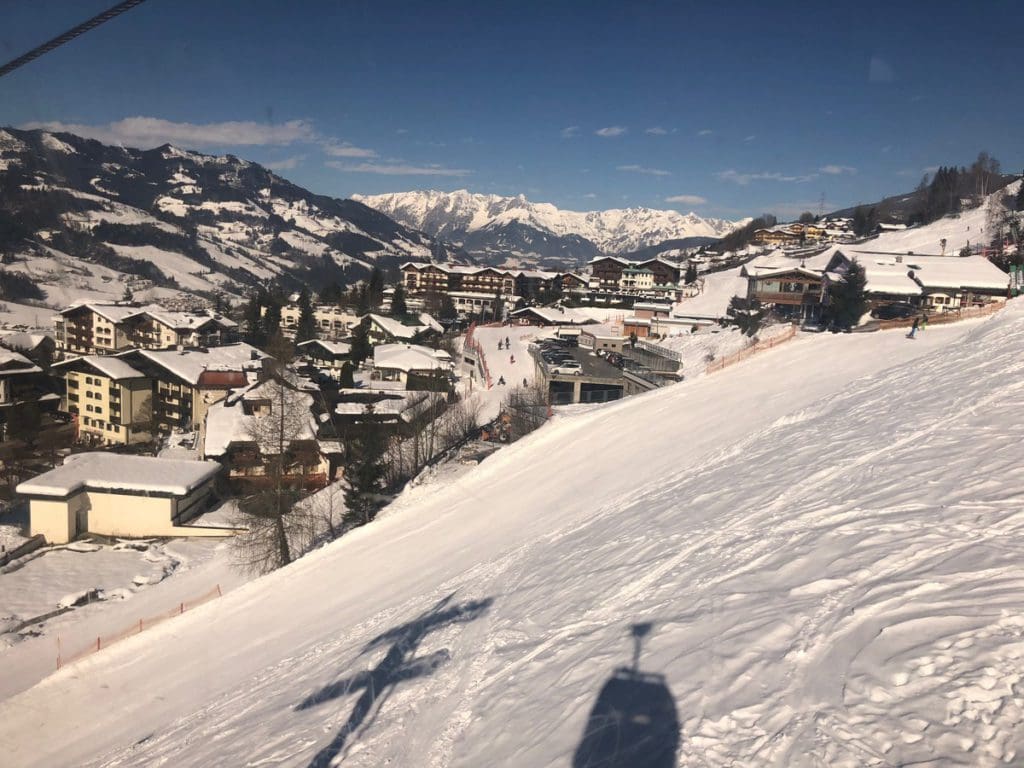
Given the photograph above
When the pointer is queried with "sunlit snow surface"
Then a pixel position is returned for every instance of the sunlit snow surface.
(826, 542)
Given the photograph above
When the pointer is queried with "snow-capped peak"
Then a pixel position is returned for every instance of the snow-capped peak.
(455, 214)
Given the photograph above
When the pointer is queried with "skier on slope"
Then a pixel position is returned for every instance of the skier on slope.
(512, 359)
(913, 328)
(501, 380)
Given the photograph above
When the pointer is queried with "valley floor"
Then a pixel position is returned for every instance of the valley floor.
(819, 550)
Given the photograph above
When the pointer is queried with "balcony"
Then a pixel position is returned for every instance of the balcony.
(795, 299)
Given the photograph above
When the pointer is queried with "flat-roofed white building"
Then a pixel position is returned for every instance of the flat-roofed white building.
(116, 495)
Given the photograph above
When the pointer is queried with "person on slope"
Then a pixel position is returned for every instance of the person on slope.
(501, 380)
(512, 359)
(913, 328)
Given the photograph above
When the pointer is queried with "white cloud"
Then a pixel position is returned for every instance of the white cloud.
(147, 132)
(289, 163)
(837, 170)
(705, 132)
(397, 169)
(611, 131)
(590, 195)
(345, 149)
(401, 131)
(880, 71)
(745, 178)
(686, 199)
(571, 132)
(750, 138)
(656, 131)
(642, 169)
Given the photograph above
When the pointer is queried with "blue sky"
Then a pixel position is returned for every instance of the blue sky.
(727, 109)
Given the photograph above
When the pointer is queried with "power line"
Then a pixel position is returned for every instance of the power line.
(70, 35)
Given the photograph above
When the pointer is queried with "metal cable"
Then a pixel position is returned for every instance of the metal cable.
(70, 35)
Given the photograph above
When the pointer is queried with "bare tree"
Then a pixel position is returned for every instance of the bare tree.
(526, 409)
(282, 430)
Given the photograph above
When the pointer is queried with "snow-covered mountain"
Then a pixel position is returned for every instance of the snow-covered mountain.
(85, 218)
(482, 223)
(817, 551)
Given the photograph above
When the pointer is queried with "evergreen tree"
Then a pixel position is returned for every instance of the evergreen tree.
(252, 319)
(375, 288)
(127, 296)
(331, 293)
(364, 471)
(746, 314)
(448, 310)
(691, 274)
(272, 318)
(847, 300)
(362, 300)
(361, 346)
(306, 328)
(398, 305)
(1019, 203)
(499, 307)
(346, 379)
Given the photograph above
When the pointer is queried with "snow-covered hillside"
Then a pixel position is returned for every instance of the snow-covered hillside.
(819, 548)
(454, 215)
(182, 222)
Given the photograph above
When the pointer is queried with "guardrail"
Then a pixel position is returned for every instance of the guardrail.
(481, 358)
(105, 641)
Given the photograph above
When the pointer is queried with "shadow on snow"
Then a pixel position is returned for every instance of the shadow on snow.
(633, 723)
(399, 664)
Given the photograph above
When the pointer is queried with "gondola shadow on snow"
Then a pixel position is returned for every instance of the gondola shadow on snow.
(634, 723)
(398, 665)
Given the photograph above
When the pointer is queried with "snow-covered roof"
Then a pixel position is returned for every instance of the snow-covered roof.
(117, 472)
(410, 357)
(394, 328)
(23, 340)
(189, 365)
(334, 347)
(887, 275)
(111, 367)
(405, 407)
(185, 320)
(554, 316)
(227, 422)
(115, 313)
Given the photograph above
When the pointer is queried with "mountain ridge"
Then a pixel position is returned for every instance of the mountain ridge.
(486, 224)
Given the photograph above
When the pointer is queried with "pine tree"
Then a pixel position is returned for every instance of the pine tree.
(127, 296)
(448, 310)
(375, 288)
(252, 318)
(364, 471)
(847, 300)
(691, 274)
(1019, 203)
(399, 308)
(306, 328)
(361, 346)
(345, 378)
(271, 318)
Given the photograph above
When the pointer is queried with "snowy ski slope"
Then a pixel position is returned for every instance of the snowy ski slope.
(822, 547)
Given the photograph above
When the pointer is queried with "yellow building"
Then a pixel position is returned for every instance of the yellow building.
(112, 401)
(115, 495)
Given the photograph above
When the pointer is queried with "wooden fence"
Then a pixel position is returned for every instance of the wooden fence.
(753, 349)
(135, 628)
(946, 317)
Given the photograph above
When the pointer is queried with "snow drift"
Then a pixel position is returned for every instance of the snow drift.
(812, 558)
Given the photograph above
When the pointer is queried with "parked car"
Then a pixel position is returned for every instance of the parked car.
(894, 311)
(568, 368)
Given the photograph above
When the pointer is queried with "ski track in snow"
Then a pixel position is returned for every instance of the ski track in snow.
(826, 539)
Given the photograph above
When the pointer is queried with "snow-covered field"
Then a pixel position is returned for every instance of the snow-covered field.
(821, 548)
